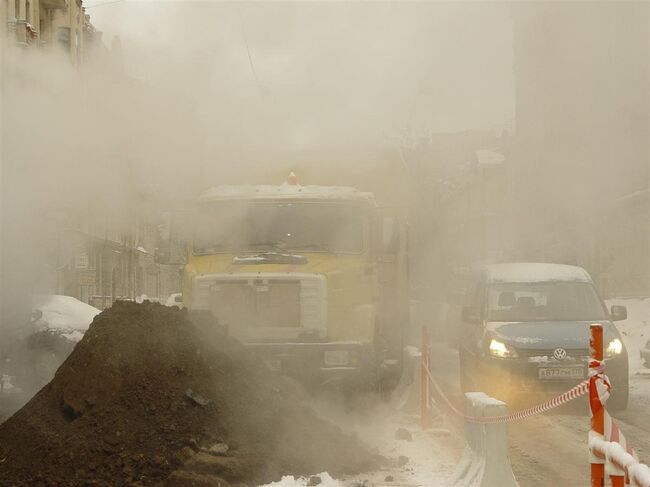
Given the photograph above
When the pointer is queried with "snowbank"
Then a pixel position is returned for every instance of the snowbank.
(175, 299)
(635, 329)
(65, 314)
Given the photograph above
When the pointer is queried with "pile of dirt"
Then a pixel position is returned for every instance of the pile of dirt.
(153, 395)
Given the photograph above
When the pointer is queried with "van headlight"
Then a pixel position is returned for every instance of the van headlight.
(501, 350)
(615, 347)
(336, 358)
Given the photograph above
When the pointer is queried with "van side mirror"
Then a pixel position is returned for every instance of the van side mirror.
(618, 313)
(470, 315)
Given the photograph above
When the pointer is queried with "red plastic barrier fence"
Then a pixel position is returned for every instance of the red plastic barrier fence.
(611, 456)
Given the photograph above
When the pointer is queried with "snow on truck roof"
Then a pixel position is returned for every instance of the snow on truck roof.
(534, 272)
(284, 191)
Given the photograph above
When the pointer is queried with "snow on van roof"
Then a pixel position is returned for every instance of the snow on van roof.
(283, 191)
(535, 272)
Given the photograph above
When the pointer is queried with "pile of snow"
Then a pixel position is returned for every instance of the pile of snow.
(175, 299)
(289, 481)
(65, 314)
(635, 329)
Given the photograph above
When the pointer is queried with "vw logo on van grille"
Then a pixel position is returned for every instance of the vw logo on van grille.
(559, 354)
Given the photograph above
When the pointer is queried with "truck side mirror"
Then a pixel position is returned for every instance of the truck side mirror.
(619, 313)
(470, 315)
(390, 235)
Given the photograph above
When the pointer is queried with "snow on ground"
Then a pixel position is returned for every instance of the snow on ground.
(419, 459)
(635, 330)
(65, 314)
(431, 456)
(289, 481)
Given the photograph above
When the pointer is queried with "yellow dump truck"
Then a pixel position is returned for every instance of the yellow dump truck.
(313, 278)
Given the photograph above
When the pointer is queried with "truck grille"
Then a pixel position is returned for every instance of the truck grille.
(274, 304)
(265, 305)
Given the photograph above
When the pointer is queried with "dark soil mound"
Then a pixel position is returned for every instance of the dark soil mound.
(151, 390)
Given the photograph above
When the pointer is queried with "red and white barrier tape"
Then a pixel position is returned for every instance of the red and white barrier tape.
(573, 393)
(599, 393)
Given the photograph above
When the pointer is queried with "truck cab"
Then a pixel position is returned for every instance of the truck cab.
(306, 277)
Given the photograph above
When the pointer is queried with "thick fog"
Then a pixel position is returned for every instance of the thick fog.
(504, 131)
(181, 96)
(489, 132)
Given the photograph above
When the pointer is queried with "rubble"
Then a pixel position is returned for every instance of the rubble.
(123, 410)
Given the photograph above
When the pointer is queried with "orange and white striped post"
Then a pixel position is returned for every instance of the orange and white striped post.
(597, 412)
(617, 477)
(426, 418)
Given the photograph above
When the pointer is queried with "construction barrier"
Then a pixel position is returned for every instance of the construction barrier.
(485, 461)
(485, 429)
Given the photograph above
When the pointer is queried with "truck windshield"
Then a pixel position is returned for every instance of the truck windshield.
(544, 301)
(279, 227)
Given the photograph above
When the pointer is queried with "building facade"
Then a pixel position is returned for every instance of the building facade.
(91, 244)
(49, 24)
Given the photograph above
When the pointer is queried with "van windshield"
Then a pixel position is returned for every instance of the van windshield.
(544, 301)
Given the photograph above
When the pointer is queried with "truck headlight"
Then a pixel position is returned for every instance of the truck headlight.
(336, 358)
(615, 347)
(501, 350)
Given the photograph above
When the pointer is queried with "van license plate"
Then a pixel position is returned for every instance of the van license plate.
(561, 372)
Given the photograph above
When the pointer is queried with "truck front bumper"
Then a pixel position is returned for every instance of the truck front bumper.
(321, 364)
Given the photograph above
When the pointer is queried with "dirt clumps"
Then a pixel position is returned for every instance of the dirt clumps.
(154, 395)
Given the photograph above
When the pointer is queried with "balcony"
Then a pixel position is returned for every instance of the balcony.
(26, 33)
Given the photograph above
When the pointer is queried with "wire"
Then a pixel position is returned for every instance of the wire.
(248, 51)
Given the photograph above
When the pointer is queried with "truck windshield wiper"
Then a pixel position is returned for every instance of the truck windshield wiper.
(271, 258)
